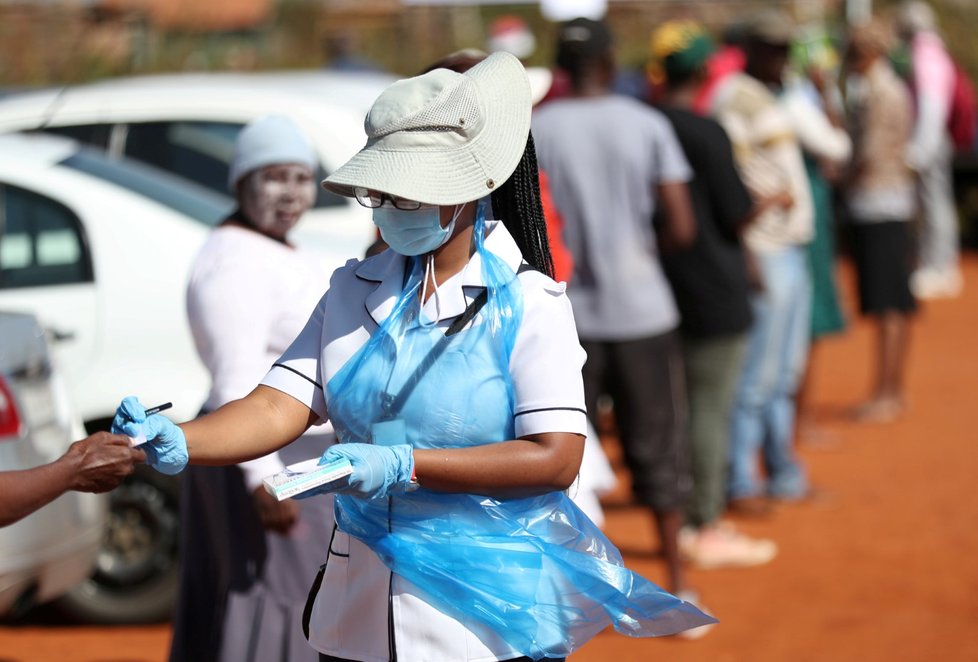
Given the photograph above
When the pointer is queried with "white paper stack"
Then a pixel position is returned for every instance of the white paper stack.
(303, 476)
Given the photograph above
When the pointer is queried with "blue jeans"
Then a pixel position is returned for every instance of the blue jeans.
(763, 416)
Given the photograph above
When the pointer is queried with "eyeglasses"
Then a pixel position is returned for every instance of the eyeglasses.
(373, 199)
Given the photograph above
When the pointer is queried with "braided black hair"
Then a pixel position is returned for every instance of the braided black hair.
(517, 203)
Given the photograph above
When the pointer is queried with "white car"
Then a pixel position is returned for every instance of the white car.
(186, 124)
(99, 250)
(87, 237)
(85, 242)
(54, 549)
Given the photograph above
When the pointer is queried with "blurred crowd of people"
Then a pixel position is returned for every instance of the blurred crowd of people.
(699, 203)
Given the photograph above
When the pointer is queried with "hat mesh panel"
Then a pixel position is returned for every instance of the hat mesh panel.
(456, 107)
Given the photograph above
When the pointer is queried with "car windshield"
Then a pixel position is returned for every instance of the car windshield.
(199, 203)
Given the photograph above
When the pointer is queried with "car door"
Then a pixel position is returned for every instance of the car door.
(46, 268)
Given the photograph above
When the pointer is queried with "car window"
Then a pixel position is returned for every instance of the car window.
(91, 134)
(42, 242)
(198, 203)
(200, 152)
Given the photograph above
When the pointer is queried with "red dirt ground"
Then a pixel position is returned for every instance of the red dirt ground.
(881, 566)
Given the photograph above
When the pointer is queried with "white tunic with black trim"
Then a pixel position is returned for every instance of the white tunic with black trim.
(362, 611)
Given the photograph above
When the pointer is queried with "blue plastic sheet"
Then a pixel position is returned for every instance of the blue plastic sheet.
(535, 570)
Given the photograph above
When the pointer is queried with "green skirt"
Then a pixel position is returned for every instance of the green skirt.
(827, 317)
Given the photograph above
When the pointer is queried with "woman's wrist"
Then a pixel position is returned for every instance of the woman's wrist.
(414, 474)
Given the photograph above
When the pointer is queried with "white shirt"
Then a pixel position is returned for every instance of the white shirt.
(769, 159)
(350, 617)
(816, 134)
(247, 300)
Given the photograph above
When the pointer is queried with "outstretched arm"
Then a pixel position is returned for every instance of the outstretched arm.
(95, 464)
(261, 422)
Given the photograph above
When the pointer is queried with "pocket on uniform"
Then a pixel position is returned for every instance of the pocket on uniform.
(337, 555)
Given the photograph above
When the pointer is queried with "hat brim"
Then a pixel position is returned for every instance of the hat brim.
(541, 80)
(467, 171)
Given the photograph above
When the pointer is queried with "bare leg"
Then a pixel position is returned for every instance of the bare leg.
(803, 417)
(668, 523)
(886, 402)
(894, 342)
(807, 429)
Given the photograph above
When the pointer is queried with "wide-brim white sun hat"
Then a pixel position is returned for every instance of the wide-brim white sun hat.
(541, 80)
(443, 138)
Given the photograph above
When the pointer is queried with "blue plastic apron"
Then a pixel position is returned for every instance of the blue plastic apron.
(535, 570)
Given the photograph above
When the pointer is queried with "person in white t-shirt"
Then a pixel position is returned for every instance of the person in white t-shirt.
(450, 368)
(248, 559)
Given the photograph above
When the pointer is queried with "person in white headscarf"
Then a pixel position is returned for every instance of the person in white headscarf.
(248, 559)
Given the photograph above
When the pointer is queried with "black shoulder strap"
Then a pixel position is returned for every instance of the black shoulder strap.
(468, 314)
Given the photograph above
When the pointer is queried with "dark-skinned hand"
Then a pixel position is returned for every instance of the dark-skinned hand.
(101, 461)
(275, 515)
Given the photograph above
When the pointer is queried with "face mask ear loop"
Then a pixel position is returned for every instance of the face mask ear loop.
(455, 215)
(429, 270)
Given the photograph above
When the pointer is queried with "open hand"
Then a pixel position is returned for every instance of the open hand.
(102, 461)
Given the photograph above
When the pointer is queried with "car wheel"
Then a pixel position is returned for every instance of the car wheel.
(137, 572)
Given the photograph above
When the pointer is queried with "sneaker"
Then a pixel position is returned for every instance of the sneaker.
(933, 284)
(722, 546)
(693, 598)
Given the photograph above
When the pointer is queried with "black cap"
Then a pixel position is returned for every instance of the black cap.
(582, 39)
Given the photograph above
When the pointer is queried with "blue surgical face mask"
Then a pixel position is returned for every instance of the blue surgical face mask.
(413, 232)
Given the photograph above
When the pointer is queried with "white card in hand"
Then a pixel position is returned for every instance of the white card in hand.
(304, 476)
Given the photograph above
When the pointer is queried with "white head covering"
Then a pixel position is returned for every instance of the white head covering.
(444, 138)
(269, 140)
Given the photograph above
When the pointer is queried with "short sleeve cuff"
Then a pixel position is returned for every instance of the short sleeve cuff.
(305, 389)
(551, 419)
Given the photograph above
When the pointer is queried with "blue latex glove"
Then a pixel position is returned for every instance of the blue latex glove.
(378, 471)
(165, 447)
